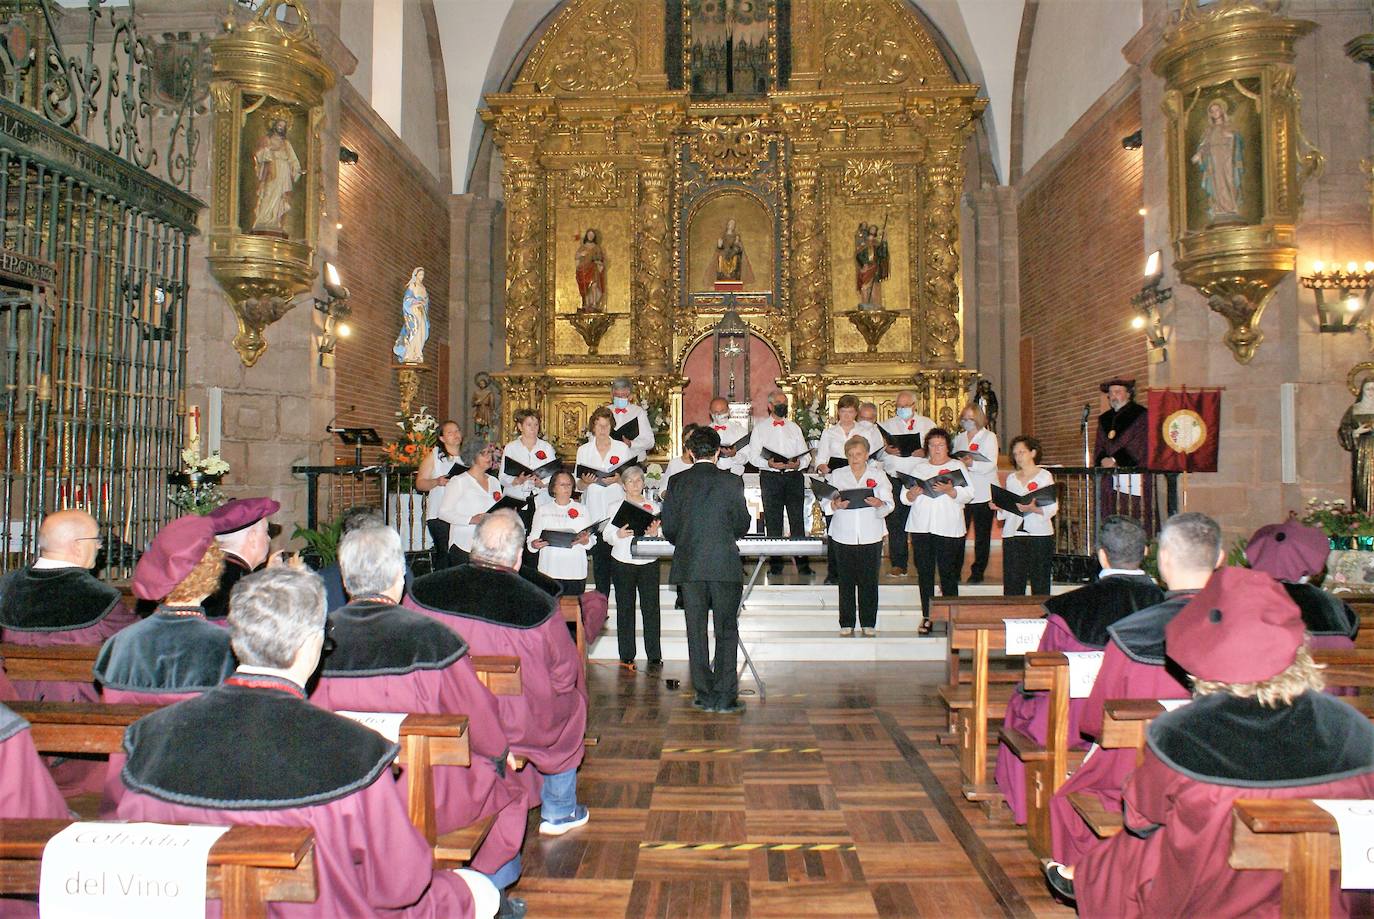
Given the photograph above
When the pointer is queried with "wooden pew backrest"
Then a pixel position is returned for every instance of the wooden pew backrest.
(500, 673)
(50, 663)
(1290, 835)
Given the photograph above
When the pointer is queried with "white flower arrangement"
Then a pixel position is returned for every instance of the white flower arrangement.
(195, 487)
(654, 472)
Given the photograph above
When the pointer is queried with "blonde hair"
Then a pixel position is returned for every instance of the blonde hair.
(858, 440)
(1302, 675)
(978, 414)
(202, 580)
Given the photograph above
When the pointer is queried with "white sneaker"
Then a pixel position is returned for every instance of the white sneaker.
(869, 633)
(579, 817)
(846, 633)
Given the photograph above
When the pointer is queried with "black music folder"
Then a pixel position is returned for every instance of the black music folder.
(545, 472)
(734, 447)
(579, 470)
(834, 463)
(562, 539)
(952, 477)
(906, 443)
(977, 457)
(515, 504)
(633, 516)
(627, 431)
(823, 490)
(1007, 500)
(774, 456)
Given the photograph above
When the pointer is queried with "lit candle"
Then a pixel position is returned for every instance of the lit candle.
(1351, 268)
(1319, 266)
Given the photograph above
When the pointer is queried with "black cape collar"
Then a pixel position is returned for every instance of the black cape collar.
(1090, 609)
(10, 723)
(251, 748)
(1323, 613)
(493, 595)
(166, 653)
(1222, 740)
(54, 599)
(1120, 419)
(1140, 636)
(380, 639)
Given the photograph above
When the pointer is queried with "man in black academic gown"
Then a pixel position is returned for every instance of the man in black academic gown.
(241, 531)
(1121, 588)
(1123, 439)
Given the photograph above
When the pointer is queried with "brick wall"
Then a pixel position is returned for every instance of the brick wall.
(395, 218)
(1080, 234)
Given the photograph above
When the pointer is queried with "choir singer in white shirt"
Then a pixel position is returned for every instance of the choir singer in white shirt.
(936, 524)
(830, 453)
(781, 481)
(1027, 542)
(730, 432)
(467, 498)
(856, 533)
(623, 411)
(976, 438)
(906, 421)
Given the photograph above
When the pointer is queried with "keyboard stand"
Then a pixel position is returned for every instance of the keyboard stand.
(739, 616)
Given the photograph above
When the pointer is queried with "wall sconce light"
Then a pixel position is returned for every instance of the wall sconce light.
(1351, 300)
(1147, 303)
(336, 312)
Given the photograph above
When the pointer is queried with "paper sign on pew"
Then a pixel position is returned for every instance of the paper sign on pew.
(1355, 822)
(388, 724)
(1023, 635)
(126, 871)
(1170, 705)
(1083, 669)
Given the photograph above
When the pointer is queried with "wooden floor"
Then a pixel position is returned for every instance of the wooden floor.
(831, 799)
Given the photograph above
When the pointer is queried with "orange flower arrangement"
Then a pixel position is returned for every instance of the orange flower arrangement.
(418, 433)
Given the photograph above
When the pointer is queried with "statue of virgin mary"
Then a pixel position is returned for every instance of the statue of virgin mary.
(410, 344)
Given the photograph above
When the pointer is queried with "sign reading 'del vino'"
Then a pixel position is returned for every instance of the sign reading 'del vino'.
(126, 871)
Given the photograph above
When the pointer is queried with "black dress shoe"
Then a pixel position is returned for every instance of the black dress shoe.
(703, 705)
(656, 665)
(804, 569)
(974, 579)
(831, 579)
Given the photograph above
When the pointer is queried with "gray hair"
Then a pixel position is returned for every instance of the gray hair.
(273, 613)
(499, 539)
(634, 472)
(1192, 540)
(620, 383)
(468, 455)
(1124, 541)
(358, 517)
(371, 559)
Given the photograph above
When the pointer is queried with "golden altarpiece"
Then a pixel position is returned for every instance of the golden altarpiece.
(799, 161)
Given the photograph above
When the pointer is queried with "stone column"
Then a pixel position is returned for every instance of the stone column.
(810, 273)
(524, 187)
(992, 327)
(476, 338)
(651, 289)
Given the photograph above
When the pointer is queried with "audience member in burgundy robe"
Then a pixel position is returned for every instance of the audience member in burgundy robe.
(254, 751)
(1259, 727)
(27, 791)
(241, 532)
(497, 611)
(1291, 554)
(386, 658)
(1135, 667)
(57, 601)
(1078, 621)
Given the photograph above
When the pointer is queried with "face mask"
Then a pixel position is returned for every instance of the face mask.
(719, 418)
(967, 424)
(620, 402)
(780, 410)
(905, 412)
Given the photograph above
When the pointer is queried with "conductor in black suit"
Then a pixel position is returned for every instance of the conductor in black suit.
(703, 514)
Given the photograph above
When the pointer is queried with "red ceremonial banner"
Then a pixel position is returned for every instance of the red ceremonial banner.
(1185, 429)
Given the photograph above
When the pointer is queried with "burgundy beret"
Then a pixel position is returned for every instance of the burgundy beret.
(241, 512)
(176, 549)
(1241, 628)
(1117, 381)
(1288, 551)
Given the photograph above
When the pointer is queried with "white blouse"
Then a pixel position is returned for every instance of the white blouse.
(980, 475)
(1032, 524)
(465, 498)
(916, 424)
(833, 439)
(642, 444)
(596, 496)
(860, 524)
(532, 459)
(942, 516)
(435, 496)
(568, 564)
(620, 546)
(675, 465)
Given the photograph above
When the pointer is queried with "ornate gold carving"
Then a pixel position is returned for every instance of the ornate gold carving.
(872, 325)
(730, 147)
(939, 311)
(651, 291)
(599, 56)
(869, 180)
(570, 422)
(591, 326)
(519, 391)
(408, 383)
(524, 251)
(810, 274)
(592, 184)
(868, 42)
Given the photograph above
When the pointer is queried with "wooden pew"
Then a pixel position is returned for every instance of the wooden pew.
(1290, 835)
(972, 705)
(66, 663)
(248, 868)
(571, 608)
(1046, 765)
(500, 673)
(948, 609)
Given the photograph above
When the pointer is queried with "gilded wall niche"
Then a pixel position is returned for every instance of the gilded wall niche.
(730, 244)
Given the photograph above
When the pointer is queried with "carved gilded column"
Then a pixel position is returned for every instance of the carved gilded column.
(652, 285)
(519, 391)
(524, 256)
(810, 274)
(938, 309)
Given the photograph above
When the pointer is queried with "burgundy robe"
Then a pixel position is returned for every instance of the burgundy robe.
(1199, 760)
(1124, 436)
(1103, 771)
(253, 751)
(390, 659)
(1078, 621)
(7, 693)
(27, 791)
(497, 611)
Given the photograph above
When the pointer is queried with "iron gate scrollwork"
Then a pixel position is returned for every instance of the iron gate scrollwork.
(93, 277)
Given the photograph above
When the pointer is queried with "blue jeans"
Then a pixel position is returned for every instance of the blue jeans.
(559, 795)
(507, 874)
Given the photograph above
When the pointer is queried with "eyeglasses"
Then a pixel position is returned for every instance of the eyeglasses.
(99, 541)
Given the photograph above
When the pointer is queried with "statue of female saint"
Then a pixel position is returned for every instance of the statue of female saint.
(1220, 156)
(1356, 434)
(276, 167)
(731, 264)
(410, 344)
(591, 272)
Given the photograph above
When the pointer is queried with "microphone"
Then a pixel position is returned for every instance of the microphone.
(1087, 411)
(329, 428)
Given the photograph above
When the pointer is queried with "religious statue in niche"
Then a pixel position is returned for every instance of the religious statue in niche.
(410, 343)
(730, 269)
(985, 398)
(591, 272)
(729, 47)
(1220, 155)
(871, 264)
(276, 167)
(483, 405)
(1356, 434)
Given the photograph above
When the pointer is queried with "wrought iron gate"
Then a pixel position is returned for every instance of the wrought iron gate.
(93, 275)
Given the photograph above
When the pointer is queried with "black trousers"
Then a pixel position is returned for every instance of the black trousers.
(571, 587)
(715, 680)
(630, 580)
(438, 535)
(1026, 558)
(978, 517)
(783, 491)
(858, 572)
(456, 557)
(601, 566)
(942, 554)
(897, 540)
